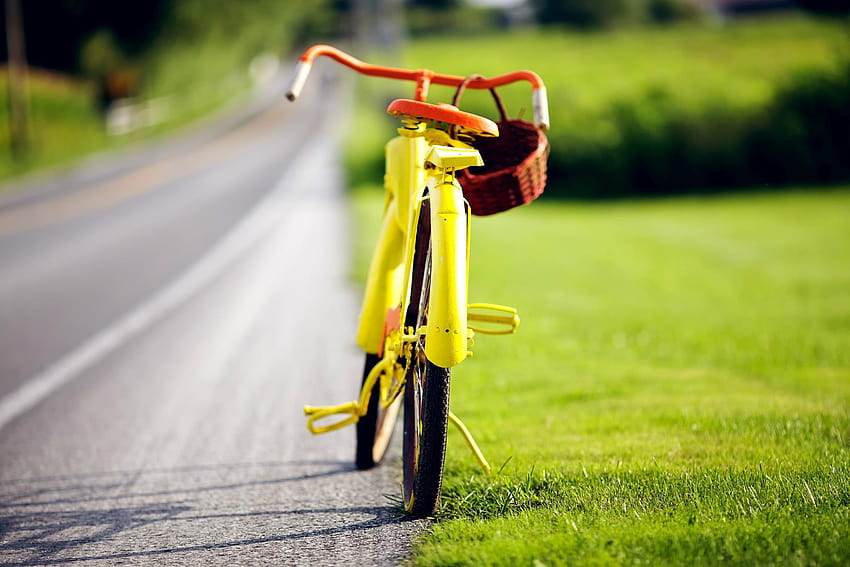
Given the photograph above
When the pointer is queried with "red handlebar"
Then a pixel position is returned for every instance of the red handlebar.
(422, 77)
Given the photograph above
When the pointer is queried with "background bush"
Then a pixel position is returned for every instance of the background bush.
(598, 14)
(658, 145)
(804, 136)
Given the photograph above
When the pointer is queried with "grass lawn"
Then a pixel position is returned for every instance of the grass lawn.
(678, 391)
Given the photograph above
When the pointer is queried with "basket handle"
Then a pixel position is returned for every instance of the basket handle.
(462, 86)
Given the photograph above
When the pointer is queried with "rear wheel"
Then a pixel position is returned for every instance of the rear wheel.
(426, 393)
(375, 429)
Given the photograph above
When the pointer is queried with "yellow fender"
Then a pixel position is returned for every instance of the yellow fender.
(447, 332)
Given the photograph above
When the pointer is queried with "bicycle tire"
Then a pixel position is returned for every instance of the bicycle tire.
(426, 393)
(375, 429)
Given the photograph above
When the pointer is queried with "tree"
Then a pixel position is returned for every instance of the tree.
(586, 14)
(437, 4)
(834, 7)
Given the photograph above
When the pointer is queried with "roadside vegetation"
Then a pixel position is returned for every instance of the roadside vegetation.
(63, 123)
(198, 62)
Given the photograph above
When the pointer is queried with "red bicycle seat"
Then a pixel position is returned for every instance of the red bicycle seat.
(443, 112)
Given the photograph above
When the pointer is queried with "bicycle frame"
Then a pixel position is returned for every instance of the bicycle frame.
(388, 283)
(386, 296)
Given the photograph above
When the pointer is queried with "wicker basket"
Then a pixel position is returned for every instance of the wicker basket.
(514, 170)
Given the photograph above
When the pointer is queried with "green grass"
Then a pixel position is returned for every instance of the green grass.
(678, 391)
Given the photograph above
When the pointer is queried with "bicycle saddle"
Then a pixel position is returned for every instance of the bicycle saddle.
(442, 112)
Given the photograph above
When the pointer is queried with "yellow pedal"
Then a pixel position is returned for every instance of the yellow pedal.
(489, 319)
(314, 414)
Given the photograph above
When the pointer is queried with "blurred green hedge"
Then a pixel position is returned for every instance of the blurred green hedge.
(658, 110)
(654, 144)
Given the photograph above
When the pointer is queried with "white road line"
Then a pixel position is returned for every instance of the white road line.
(269, 211)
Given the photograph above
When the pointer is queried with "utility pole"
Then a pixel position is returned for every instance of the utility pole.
(17, 70)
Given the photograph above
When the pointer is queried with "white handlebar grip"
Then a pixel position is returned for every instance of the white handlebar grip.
(541, 108)
(302, 69)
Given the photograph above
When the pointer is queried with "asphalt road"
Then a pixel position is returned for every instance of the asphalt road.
(163, 318)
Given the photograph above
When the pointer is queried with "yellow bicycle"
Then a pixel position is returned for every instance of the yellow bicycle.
(415, 323)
